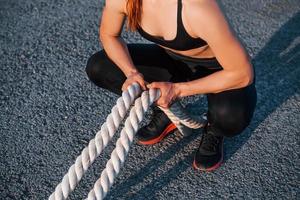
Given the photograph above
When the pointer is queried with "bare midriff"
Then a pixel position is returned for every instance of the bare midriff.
(201, 52)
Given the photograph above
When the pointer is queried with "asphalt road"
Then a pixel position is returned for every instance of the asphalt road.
(49, 110)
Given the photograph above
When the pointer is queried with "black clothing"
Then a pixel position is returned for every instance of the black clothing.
(182, 41)
(210, 153)
(229, 112)
(157, 129)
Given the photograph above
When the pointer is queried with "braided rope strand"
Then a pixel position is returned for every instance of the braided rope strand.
(176, 113)
(96, 145)
(118, 156)
(123, 144)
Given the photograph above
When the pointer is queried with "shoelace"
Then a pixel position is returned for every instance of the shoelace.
(155, 118)
(210, 141)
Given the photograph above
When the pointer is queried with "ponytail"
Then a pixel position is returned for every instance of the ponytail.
(134, 11)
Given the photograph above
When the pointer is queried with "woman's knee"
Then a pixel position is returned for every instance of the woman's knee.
(104, 73)
(232, 122)
(94, 66)
(232, 116)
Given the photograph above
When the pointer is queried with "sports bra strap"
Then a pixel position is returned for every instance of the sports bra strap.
(179, 17)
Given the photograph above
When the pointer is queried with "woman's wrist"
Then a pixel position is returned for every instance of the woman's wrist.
(130, 72)
(184, 89)
(178, 87)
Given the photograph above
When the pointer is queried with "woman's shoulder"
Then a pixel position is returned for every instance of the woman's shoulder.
(201, 6)
(116, 5)
(204, 13)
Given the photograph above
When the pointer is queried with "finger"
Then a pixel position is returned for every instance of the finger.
(124, 88)
(161, 102)
(142, 84)
(152, 85)
(125, 85)
(166, 101)
(145, 84)
(164, 105)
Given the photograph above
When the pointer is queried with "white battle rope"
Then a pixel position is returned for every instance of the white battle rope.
(176, 113)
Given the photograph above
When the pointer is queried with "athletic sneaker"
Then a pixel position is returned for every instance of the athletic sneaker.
(209, 155)
(158, 128)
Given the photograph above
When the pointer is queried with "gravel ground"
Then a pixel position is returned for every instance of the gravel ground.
(49, 110)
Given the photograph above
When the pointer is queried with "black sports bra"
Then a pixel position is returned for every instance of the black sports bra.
(182, 41)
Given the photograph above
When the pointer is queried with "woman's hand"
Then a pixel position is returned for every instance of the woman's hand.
(169, 93)
(134, 77)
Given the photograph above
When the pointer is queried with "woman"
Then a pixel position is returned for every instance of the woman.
(194, 51)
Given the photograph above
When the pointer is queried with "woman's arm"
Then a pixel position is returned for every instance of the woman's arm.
(207, 21)
(110, 29)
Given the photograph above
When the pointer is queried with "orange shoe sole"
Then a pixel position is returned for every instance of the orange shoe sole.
(167, 130)
(216, 166)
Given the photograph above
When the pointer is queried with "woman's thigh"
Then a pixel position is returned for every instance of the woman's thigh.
(231, 111)
(149, 59)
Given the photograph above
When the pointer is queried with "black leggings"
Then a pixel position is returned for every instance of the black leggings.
(229, 112)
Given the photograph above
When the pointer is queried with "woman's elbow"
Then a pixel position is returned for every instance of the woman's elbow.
(101, 35)
(247, 78)
(247, 81)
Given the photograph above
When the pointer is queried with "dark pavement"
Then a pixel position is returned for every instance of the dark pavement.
(49, 110)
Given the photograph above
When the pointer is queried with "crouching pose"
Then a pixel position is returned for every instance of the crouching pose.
(193, 51)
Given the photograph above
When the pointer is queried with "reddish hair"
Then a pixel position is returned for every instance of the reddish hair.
(134, 11)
